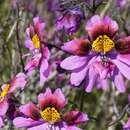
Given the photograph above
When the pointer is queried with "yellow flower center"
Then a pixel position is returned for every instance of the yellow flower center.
(50, 114)
(36, 41)
(103, 44)
(5, 90)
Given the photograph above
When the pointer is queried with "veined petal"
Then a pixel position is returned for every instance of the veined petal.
(44, 71)
(124, 69)
(78, 76)
(60, 98)
(44, 126)
(77, 46)
(21, 122)
(97, 26)
(75, 117)
(30, 110)
(92, 75)
(39, 26)
(124, 58)
(55, 99)
(73, 62)
(118, 81)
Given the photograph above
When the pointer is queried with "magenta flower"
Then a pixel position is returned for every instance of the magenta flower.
(101, 58)
(121, 3)
(39, 52)
(70, 20)
(48, 114)
(19, 81)
(127, 125)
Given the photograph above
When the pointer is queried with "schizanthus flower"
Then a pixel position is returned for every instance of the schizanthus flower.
(48, 114)
(70, 20)
(39, 52)
(99, 58)
(19, 81)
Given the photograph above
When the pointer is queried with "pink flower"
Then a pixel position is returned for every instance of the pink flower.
(127, 125)
(19, 81)
(48, 114)
(70, 20)
(39, 52)
(99, 58)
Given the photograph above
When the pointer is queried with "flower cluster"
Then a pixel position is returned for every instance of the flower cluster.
(100, 58)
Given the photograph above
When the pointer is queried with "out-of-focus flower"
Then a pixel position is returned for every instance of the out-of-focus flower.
(121, 3)
(101, 58)
(19, 81)
(70, 20)
(53, 5)
(28, 5)
(40, 53)
(48, 115)
(127, 125)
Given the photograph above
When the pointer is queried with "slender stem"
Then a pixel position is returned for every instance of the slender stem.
(57, 47)
(11, 127)
(18, 39)
(82, 100)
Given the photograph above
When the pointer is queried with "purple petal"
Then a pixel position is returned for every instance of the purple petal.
(119, 81)
(21, 122)
(33, 63)
(104, 84)
(1, 122)
(29, 44)
(3, 107)
(124, 58)
(39, 26)
(73, 62)
(77, 46)
(97, 25)
(18, 82)
(42, 97)
(46, 52)
(77, 77)
(92, 79)
(124, 69)
(127, 125)
(75, 117)
(30, 110)
(44, 71)
(61, 98)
